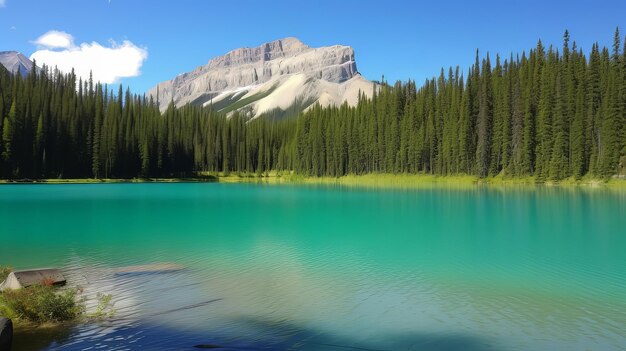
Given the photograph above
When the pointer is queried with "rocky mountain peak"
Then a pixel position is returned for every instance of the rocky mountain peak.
(269, 51)
(267, 66)
(15, 62)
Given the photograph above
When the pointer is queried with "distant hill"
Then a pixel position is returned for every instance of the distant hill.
(15, 62)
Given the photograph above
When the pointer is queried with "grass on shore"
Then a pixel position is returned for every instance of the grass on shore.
(377, 180)
(46, 305)
(41, 304)
(408, 181)
(4, 272)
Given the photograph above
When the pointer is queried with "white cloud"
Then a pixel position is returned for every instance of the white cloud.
(55, 40)
(2, 3)
(109, 64)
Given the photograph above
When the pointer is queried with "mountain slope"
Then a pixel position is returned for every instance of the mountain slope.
(15, 62)
(272, 76)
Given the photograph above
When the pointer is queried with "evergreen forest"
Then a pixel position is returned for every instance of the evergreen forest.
(550, 113)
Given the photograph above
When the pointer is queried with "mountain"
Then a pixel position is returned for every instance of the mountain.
(15, 61)
(274, 77)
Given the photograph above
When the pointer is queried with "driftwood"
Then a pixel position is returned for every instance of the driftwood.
(26, 278)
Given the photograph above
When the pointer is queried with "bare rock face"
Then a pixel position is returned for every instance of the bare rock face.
(15, 62)
(254, 72)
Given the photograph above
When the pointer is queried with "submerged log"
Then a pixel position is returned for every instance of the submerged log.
(150, 268)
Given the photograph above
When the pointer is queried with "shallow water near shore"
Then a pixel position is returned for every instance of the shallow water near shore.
(328, 268)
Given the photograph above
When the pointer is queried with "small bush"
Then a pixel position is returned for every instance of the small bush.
(104, 308)
(41, 304)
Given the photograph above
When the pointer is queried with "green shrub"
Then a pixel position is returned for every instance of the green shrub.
(104, 308)
(41, 304)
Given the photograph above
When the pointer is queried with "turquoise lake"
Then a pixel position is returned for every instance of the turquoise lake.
(287, 267)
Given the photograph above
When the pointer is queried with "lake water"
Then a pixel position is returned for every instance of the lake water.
(328, 268)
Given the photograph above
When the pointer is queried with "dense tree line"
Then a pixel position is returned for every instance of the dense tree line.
(550, 113)
(55, 127)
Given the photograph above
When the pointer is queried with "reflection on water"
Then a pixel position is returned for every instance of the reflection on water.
(164, 311)
(324, 268)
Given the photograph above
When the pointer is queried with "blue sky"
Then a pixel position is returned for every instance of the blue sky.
(400, 39)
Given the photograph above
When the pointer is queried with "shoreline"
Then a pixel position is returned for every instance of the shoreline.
(373, 180)
(109, 180)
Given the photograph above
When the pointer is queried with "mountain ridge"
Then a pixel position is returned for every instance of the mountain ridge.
(327, 75)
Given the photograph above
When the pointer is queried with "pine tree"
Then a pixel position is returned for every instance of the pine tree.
(8, 133)
(484, 121)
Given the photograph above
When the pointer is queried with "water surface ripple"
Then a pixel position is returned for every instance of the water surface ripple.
(327, 268)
